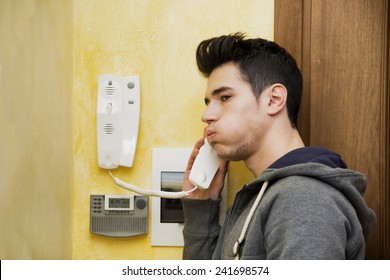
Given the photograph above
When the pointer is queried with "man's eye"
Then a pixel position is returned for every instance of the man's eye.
(225, 97)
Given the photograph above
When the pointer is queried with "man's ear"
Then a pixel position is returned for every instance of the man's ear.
(277, 98)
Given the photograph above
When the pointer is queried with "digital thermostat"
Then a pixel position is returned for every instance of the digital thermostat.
(118, 215)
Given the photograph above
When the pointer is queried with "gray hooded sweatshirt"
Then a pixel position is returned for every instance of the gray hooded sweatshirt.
(313, 208)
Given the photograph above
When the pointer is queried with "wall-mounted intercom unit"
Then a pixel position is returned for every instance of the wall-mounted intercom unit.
(118, 215)
(118, 116)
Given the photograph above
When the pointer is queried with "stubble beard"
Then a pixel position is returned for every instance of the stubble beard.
(236, 153)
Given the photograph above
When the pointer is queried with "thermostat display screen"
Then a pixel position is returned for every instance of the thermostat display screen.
(119, 203)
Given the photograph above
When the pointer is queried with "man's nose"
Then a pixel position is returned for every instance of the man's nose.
(210, 114)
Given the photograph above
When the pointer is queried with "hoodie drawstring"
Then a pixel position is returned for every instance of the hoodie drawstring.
(247, 221)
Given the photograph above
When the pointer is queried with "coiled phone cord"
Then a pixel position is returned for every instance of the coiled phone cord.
(148, 192)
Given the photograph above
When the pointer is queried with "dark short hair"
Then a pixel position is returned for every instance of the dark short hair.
(262, 63)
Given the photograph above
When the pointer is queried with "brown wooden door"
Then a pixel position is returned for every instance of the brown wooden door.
(342, 47)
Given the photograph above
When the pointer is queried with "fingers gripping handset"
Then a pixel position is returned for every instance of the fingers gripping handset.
(205, 166)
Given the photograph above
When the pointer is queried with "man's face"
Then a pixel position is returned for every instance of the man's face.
(236, 121)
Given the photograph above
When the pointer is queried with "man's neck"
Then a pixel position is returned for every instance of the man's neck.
(274, 147)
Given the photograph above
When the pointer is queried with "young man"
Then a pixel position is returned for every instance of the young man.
(305, 203)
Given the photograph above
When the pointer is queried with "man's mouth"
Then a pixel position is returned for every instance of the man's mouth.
(210, 135)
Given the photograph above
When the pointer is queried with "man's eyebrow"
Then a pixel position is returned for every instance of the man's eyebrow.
(220, 90)
(216, 92)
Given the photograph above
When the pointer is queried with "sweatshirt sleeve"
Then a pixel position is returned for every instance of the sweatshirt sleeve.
(201, 228)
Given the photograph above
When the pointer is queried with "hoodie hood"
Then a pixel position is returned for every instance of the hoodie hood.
(351, 184)
(310, 154)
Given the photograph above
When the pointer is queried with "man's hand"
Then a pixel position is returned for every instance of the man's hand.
(217, 184)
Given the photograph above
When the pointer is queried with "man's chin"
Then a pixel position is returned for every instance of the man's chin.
(228, 156)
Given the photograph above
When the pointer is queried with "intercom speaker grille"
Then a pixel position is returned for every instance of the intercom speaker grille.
(109, 128)
(120, 226)
(111, 89)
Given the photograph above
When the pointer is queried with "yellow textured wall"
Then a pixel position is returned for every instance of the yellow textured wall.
(155, 40)
(36, 129)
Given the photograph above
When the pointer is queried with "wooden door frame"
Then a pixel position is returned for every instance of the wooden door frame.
(292, 30)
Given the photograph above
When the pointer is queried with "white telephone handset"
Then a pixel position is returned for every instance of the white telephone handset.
(205, 166)
(202, 173)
